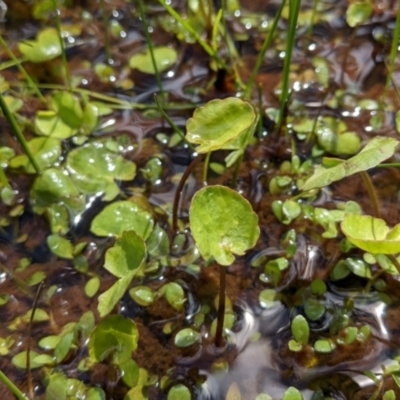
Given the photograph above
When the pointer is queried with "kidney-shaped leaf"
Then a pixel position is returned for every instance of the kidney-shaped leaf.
(222, 224)
(127, 254)
(220, 124)
(377, 150)
(115, 335)
(371, 234)
(44, 48)
(122, 216)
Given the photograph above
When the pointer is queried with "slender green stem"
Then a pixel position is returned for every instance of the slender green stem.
(294, 8)
(260, 112)
(18, 133)
(178, 191)
(197, 37)
(63, 54)
(221, 307)
(237, 170)
(3, 178)
(15, 391)
(261, 54)
(311, 26)
(150, 46)
(394, 261)
(393, 54)
(205, 167)
(106, 32)
(171, 123)
(371, 193)
(28, 348)
(22, 70)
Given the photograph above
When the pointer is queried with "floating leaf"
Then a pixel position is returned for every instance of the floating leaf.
(45, 150)
(44, 48)
(300, 329)
(164, 57)
(267, 298)
(376, 151)
(60, 246)
(114, 336)
(179, 392)
(186, 337)
(48, 123)
(221, 124)
(222, 223)
(92, 286)
(68, 109)
(20, 359)
(371, 234)
(94, 169)
(324, 346)
(175, 295)
(130, 373)
(122, 216)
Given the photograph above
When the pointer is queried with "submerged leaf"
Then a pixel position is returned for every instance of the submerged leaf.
(371, 234)
(223, 224)
(377, 150)
(186, 337)
(221, 124)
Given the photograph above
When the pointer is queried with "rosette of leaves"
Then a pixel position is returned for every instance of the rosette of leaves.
(226, 124)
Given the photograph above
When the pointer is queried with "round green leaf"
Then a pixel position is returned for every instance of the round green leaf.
(300, 329)
(371, 234)
(222, 224)
(179, 392)
(358, 12)
(221, 124)
(94, 168)
(267, 298)
(318, 287)
(358, 267)
(130, 372)
(324, 346)
(68, 109)
(186, 337)
(92, 286)
(164, 57)
(116, 336)
(314, 309)
(142, 295)
(44, 48)
(122, 216)
(48, 123)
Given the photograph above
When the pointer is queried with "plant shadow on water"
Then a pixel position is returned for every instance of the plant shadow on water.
(199, 200)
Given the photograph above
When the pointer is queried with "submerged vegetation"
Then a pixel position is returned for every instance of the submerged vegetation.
(199, 200)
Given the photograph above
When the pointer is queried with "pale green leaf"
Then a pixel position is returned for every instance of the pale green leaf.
(164, 56)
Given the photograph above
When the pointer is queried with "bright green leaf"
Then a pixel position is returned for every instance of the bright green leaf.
(222, 224)
(300, 329)
(60, 246)
(186, 337)
(358, 12)
(292, 394)
(179, 392)
(164, 56)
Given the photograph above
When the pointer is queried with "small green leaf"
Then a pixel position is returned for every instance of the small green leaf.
(318, 287)
(92, 286)
(221, 124)
(358, 12)
(267, 298)
(324, 346)
(300, 329)
(186, 337)
(44, 48)
(339, 271)
(389, 395)
(294, 346)
(371, 234)
(358, 267)
(143, 295)
(116, 336)
(68, 109)
(130, 373)
(377, 150)
(292, 394)
(175, 295)
(164, 56)
(19, 360)
(60, 246)
(348, 335)
(222, 224)
(179, 392)
(314, 309)
(122, 216)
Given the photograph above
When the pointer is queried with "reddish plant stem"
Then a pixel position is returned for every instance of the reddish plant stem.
(182, 182)
(221, 307)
